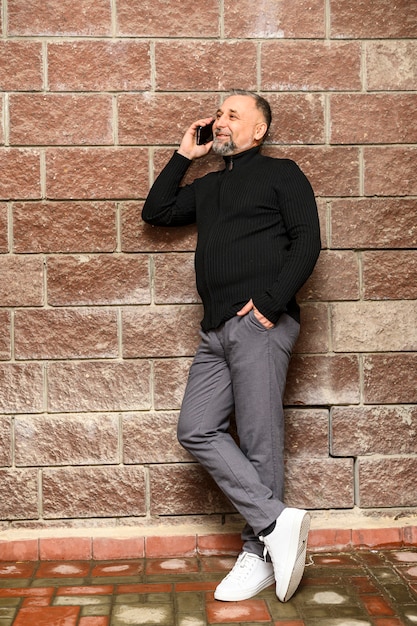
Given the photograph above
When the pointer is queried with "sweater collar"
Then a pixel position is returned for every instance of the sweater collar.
(236, 160)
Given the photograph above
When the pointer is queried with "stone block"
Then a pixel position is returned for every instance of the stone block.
(22, 388)
(335, 277)
(88, 227)
(19, 494)
(5, 441)
(390, 171)
(98, 280)
(152, 438)
(50, 440)
(386, 275)
(319, 483)
(391, 65)
(174, 279)
(72, 492)
(20, 178)
(21, 65)
(387, 482)
(390, 378)
(306, 433)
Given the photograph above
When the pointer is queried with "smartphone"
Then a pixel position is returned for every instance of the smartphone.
(204, 134)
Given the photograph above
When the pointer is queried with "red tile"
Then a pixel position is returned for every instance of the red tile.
(106, 549)
(172, 566)
(377, 537)
(410, 536)
(23, 550)
(217, 564)
(329, 539)
(291, 622)
(388, 621)
(230, 612)
(48, 616)
(145, 588)
(36, 601)
(119, 568)
(16, 570)
(94, 621)
(65, 549)
(377, 605)
(410, 572)
(197, 586)
(363, 584)
(402, 556)
(32, 592)
(209, 545)
(63, 570)
(95, 590)
(334, 560)
(170, 546)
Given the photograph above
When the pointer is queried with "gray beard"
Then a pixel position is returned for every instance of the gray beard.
(224, 149)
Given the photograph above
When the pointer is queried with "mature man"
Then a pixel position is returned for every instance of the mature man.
(258, 241)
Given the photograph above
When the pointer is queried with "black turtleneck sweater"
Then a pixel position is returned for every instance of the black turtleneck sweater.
(258, 231)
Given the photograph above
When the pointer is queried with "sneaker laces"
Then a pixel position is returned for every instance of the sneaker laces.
(243, 566)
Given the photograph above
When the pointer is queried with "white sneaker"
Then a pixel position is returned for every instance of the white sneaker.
(287, 546)
(250, 574)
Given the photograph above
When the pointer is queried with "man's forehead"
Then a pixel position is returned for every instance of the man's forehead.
(238, 104)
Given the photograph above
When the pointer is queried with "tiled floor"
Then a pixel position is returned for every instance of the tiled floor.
(352, 588)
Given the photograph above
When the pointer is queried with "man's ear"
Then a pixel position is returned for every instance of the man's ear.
(260, 131)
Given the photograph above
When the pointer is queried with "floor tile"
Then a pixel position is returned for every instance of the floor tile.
(361, 587)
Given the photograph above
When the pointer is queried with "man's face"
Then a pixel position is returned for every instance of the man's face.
(239, 126)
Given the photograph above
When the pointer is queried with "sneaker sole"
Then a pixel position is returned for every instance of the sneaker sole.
(250, 593)
(297, 554)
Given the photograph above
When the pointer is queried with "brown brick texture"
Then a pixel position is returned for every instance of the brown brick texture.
(99, 314)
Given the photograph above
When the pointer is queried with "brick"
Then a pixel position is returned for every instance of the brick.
(64, 18)
(141, 121)
(66, 334)
(373, 118)
(390, 378)
(2, 116)
(96, 173)
(319, 483)
(283, 19)
(323, 380)
(198, 168)
(357, 20)
(377, 538)
(19, 550)
(374, 326)
(21, 66)
(391, 65)
(386, 275)
(314, 330)
(166, 547)
(306, 433)
(160, 444)
(389, 171)
(310, 66)
(170, 377)
(60, 119)
(358, 431)
(4, 245)
(5, 440)
(176, 64)
(98, 279)
(88, 227)
(140, 237)
(20, 174)
(185, 490)
(50, 440)
(21, 388)
(378, 223)
(95, 386)
(335, 277)
(21, 281)
(5, 336)
(19, 494)
(122, 65)
(331, 171)
(296, 118)
(93, 492)
(106, 548)
(150, 19)
(165, 331)
(174, 279)
(387, 482)
(65, 549)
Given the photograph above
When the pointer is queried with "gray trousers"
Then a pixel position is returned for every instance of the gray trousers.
(241, 366)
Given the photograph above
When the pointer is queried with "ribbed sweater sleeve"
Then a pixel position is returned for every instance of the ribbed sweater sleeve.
(165, 205)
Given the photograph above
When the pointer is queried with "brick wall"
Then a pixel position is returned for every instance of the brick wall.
(99, 313)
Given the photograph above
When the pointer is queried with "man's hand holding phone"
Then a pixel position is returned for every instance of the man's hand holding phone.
(189, 146)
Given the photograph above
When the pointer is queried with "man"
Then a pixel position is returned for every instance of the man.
(258, 241)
